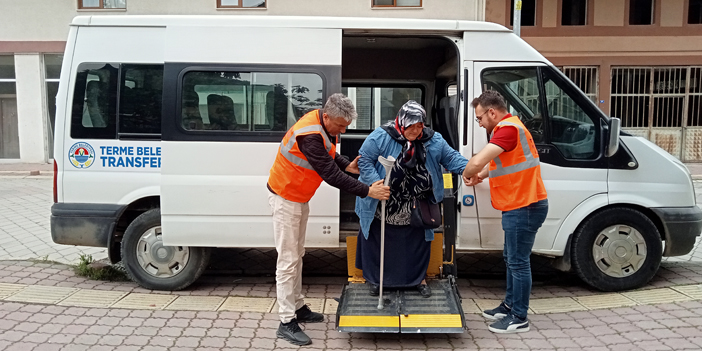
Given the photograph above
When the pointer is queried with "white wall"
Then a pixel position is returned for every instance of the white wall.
(29, 69)
(41, 20)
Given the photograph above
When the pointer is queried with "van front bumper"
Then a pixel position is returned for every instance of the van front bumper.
(84, 224)
(682, 227)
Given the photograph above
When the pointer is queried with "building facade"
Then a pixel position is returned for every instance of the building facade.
(33, 37)
(640, 60)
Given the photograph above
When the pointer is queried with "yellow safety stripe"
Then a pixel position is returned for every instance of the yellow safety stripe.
(369, 321)
(409, 321)
(431, 321)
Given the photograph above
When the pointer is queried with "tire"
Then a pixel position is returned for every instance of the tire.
(617, 249)
(157, 267)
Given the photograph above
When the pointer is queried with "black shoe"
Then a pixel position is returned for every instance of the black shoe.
(424, 290)
(373, 290)
(510, 324)
(498, 312)
(305, 315)
(292, 333)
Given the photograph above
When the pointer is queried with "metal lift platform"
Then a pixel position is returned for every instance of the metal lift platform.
(405, 310)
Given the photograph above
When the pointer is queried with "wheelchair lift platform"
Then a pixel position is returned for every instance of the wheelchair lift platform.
(404, 310)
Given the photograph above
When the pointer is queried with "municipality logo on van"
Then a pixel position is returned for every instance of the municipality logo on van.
(81, 155)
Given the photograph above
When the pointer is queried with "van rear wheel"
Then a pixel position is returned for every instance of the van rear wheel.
(617, 249)
(155, 266)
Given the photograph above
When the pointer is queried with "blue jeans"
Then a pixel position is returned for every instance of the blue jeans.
(520, 228)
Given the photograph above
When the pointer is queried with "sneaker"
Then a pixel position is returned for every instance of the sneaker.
(497, 313)
(305, 315)
(292, 333)
(510, 324)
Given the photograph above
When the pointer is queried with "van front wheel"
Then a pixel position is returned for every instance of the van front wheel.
(617, 249)
(155, 266)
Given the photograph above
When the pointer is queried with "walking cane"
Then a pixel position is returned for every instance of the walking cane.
(387, 164)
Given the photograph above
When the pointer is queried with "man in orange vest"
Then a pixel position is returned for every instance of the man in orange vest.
(516, 189)
(306, 157)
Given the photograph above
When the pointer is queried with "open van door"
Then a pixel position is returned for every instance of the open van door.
(230, 94)
(568, 132)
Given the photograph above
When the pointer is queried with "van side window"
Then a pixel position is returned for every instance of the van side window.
(247, 101)
(94, 102)
(378, 105)
(520, 87)
(141, 88)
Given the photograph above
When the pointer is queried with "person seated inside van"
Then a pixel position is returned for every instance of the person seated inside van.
(220, 111)
(95, 104)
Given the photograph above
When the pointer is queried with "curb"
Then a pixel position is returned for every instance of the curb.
(15, 175)
(90, 298)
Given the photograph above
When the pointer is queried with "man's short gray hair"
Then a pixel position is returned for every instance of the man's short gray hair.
(340, 106)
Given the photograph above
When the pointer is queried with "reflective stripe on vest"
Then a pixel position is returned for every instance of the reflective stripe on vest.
(529, 162)
(291, 176)
(286, 148)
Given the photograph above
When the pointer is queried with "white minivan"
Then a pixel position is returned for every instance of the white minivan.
(167, 126)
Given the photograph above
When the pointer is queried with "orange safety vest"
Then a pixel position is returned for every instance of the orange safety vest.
(515, 176)
(292, 176)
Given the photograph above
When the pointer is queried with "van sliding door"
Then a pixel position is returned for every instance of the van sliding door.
(230, 94)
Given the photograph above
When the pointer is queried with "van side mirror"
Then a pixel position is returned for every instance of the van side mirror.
(615, 126)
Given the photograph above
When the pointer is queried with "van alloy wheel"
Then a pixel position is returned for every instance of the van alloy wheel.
(160, 260)
(155, 266)
(619, 250)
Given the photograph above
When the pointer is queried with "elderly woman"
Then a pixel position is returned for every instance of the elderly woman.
(419, 152)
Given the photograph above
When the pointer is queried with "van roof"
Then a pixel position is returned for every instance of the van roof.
(360, 23)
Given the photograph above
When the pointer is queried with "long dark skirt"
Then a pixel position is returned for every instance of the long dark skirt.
(406, 255)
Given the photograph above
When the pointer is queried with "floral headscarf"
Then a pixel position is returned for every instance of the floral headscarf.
(410, 113)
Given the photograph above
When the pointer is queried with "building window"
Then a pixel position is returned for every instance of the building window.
(585, 78)
(659, 103)
(9, 132)
(574, 13)
(102, 4)
(52, 73)
(397, 3)
(226, 4)
(694, 13)
(641, 12)
(528, 13)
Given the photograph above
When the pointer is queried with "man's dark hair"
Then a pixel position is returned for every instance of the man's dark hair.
(490, 99)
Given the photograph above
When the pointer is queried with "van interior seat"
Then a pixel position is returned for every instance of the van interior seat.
(447, 118)
(192, 120)
(277, 110)
(220, 111)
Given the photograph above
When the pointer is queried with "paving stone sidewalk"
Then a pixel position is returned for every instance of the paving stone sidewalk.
(33, 326)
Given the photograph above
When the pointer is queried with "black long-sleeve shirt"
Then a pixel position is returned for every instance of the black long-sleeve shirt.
(330, 169)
